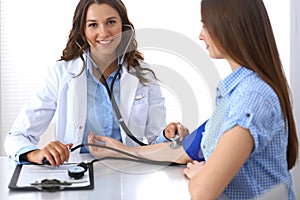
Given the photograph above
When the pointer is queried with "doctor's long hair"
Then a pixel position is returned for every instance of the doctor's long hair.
(242, 30)
(77, 35)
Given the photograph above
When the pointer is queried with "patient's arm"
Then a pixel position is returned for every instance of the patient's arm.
(158, 152)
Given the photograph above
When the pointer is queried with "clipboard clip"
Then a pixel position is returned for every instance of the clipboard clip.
(50, 185)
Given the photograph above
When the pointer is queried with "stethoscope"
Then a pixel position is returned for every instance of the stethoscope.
(109, 89)
(77, 172)
(175, 143)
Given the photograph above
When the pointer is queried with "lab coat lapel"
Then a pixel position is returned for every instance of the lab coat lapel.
(128, 87)
(78, 88)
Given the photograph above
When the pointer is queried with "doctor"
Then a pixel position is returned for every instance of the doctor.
(74, 92)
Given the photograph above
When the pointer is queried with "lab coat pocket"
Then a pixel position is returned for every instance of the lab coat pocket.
(138, 118)
(139, 99)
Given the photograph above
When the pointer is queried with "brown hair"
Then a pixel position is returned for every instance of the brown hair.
(242, 29)
(77, 36)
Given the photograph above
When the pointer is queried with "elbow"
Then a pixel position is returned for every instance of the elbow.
(7, 146)
(198, 191)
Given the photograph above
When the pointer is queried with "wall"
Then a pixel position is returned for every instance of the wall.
(295, 80)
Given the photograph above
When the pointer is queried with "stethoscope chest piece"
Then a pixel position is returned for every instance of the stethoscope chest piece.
(176, 143)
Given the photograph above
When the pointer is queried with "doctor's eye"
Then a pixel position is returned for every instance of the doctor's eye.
(92, 25)
(111, 22)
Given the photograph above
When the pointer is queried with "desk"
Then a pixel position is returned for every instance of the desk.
(114, 180)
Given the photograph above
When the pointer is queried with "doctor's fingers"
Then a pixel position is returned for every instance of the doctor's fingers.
(56, 152)
(170, 130)
(182, 130)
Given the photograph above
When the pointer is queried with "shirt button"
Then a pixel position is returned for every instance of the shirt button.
(80, 127)
(203, 146)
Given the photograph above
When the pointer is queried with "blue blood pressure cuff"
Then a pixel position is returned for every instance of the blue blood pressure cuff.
(192, 144)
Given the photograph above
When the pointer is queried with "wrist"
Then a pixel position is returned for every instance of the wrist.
(164, 134)
(25, 156)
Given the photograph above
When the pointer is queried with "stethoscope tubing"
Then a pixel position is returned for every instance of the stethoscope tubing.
(110, 89)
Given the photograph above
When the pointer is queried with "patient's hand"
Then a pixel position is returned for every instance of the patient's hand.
(193, 168)
(105, 141)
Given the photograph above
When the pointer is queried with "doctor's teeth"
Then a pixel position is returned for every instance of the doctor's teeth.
(105, 42)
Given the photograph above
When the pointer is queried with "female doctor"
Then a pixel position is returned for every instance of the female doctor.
(74, 91)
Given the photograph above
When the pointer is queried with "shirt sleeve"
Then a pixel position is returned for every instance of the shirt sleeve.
(161, 138)
(192, 143)
(22, 151)
(255, 112)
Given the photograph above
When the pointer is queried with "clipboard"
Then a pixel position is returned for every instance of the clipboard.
(26, 178)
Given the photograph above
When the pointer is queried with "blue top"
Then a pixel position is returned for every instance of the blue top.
(244, 99)
(98, 103)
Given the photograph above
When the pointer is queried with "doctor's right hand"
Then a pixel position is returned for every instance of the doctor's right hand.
(55, 152)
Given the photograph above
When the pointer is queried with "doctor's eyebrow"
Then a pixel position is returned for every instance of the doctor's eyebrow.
(107, 19)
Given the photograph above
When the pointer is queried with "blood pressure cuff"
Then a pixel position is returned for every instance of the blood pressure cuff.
(192, 144)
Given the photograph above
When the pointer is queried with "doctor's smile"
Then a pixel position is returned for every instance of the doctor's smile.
(105, 42)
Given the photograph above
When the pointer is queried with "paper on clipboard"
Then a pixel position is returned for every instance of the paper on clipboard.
(32, 173)
(25, 177)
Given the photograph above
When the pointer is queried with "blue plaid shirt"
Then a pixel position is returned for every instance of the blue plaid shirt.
(244, 99)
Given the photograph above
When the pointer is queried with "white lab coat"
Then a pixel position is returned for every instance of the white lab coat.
(64, 96)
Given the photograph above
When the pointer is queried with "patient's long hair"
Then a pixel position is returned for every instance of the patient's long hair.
(242, 29)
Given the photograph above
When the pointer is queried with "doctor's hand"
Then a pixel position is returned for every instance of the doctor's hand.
(55, 152)
(104, 141)
(173, 129)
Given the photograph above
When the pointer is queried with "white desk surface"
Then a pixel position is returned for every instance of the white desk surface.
(114, 180)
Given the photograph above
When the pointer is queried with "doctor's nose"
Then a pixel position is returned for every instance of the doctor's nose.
(102, 31)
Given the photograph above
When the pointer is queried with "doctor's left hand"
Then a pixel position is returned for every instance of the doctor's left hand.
(176, 128)
(55, 152)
